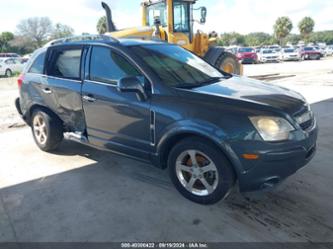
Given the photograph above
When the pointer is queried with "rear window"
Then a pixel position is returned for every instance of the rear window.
(289, 50)
(246, 50)
(66, 63)
(38, 64)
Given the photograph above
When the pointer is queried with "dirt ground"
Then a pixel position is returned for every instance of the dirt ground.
(82, 194)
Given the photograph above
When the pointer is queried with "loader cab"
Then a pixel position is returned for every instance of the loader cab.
(175, 18)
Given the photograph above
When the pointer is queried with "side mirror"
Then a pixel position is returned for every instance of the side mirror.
(133, 84)
(203, 15)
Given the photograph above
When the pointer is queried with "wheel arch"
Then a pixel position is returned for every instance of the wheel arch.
(168, 141)
(28, 114)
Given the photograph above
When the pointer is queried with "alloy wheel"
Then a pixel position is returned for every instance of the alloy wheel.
(39, 128)
(197, 172)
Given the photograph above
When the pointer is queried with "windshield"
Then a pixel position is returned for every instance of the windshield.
(267, 51)
(176, 67)
(245, 50)
(308, 48)
(289, 50)
(157, 10)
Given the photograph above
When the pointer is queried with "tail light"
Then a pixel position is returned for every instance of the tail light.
(20, 81)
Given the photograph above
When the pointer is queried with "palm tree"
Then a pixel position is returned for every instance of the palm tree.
(282, 28)
(306, 26)
(101, 25)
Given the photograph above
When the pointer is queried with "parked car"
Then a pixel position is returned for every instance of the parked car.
(268, 55)
(9, 55)
(310, 53)
(9, 66)
(159, 103)
(289, 54)
(232, 49)
(275, 48)
(246, 55)
(25, 58)
(321, 51)
(329, 50)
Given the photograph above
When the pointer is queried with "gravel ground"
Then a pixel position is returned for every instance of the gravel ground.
(9, 117)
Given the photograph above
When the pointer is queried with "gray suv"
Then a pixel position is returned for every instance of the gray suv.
(161, 104)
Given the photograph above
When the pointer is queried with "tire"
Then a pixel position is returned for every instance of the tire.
(219, 175)
(8, 73)
(47, 125)
(228, 62)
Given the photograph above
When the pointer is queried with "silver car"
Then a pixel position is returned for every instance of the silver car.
(9, 66)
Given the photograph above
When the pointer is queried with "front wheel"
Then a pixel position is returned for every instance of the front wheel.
(8, 73)
(47, 130)
(200, 171)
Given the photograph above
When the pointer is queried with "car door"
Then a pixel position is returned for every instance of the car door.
(10, 65)
(61, 86)
(115, 120)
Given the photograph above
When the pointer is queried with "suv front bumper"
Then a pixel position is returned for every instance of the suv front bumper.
(277, 162)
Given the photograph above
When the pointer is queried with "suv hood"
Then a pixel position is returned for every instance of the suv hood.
(246, 89)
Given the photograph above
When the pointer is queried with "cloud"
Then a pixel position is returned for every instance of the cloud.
(243, 16)
(246, 16)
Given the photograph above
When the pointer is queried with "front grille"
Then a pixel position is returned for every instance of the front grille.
(306, 125)
(305, 118)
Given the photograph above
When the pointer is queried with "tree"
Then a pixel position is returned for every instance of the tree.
(282, 28)
(38, 29)
(233, 38)
(22, 45)
(257, 39)
(322, 36)
(61, 31)
(306, 26)
(101, 25)
(293, 38)
(5, 38)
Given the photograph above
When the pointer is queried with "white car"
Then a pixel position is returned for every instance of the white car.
(289, 54)
(9, 66)
(268, 55)
(329, 50)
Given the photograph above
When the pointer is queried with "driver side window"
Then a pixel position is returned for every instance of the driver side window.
(108, 67)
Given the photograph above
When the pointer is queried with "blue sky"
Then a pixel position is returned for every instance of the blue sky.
(243, 16)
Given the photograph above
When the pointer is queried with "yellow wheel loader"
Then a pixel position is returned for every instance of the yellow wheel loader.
(172, 21)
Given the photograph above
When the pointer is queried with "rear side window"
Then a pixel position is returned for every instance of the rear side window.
(108, 67)
(38, 64)
(65, 63)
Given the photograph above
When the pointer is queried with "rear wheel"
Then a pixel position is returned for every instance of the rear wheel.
(228, 62)
(199, 171)
(47, 130)
(8, 73)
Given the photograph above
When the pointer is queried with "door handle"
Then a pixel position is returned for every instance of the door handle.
(47, 90)
(88, 98)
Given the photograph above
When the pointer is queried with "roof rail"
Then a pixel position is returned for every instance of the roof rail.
(81, 38)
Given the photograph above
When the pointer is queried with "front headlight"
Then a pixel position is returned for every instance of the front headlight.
(272, 128)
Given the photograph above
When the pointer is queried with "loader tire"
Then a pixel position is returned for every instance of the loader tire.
(228, 62)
